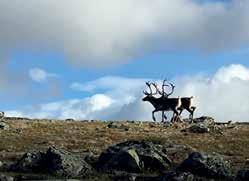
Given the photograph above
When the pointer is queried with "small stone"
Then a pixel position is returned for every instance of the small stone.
(4, 126)
(205, 120)
(198, 128)
(117, 125)
(19, 131)
(69, 120)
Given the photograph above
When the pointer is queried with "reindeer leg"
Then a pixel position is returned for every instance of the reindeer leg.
(165, 116)
(180, 111)
(192, 113)
(162, 116)
(176, 113)
(153, 116)
(173, 118)
(193, 110)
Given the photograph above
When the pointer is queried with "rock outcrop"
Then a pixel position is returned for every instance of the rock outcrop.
(55, 161)
(30, 162)
(208, 166)
(62, 163)
(134, 156)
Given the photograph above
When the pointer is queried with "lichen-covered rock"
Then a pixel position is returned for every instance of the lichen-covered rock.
(62, 163)
(134, 156)
(208, 166)
(242, 175)
(177, 152)
(126, 160)
(30, 162)
(198, 128)
(118, 125)
(4, 126)
(55, 161)
(6, 178)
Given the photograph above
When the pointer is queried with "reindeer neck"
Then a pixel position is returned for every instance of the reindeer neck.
(154, 101)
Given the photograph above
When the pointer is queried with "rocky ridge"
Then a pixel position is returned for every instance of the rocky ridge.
(129, 160)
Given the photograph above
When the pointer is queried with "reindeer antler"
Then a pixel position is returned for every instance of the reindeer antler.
(156, 87)
(163, 93)
(172, 89)
(149, 85)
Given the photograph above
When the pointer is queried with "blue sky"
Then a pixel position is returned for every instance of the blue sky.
(111, 43)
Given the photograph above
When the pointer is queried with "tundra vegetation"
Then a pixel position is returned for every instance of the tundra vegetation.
(32, 149)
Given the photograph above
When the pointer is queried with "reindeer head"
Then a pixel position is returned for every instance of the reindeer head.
(149, 95)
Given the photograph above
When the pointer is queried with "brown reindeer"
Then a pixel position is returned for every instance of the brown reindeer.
(187, 105)
(162, 103)
(186, 102)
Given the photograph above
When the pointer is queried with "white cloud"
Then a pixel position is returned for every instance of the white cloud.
(100, 33)
(40, 75)
(93, 107)
(227, 74)
(223, 95)
(110, 83)
(15, 113)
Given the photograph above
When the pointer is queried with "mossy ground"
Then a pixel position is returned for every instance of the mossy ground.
(78, 136)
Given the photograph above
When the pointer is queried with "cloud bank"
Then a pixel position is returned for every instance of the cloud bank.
(222, 95)
(101, 33)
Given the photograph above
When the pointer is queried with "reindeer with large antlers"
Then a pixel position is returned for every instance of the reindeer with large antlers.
(162, 103)
(165, 96)
(186, 102)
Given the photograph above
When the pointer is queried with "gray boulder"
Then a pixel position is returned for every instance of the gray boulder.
(126, 160)
(4, 126)
(118, 125)
(242, 175)
(135, 157)
(177, 152)
(198, 128)
(208, 166)
(30, 162)
(62, 163)
(6, 178)
(55, 161)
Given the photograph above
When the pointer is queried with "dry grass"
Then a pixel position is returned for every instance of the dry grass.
(95, 137)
